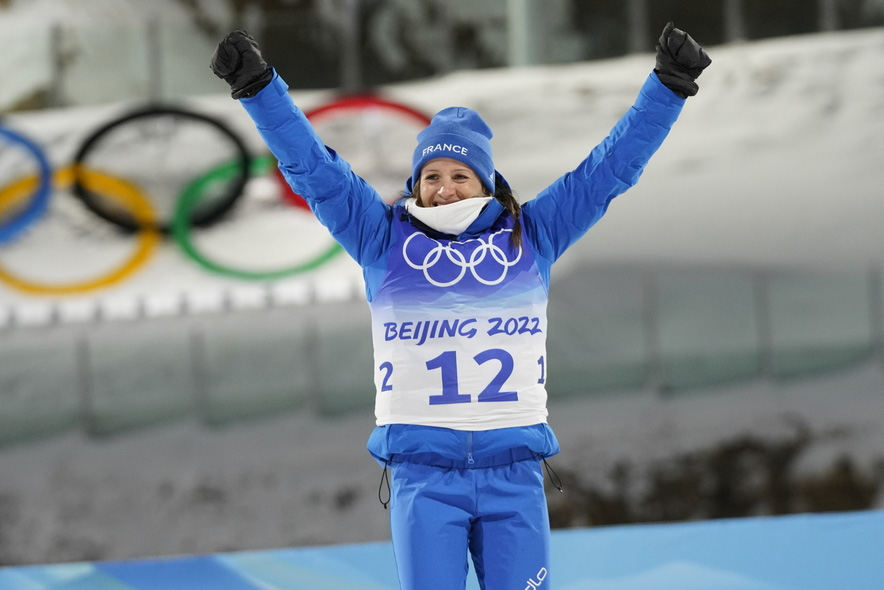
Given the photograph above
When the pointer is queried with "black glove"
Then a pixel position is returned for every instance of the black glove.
(237, 60)
(680, 61)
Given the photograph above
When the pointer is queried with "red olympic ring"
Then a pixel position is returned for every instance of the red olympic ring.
(346, 104)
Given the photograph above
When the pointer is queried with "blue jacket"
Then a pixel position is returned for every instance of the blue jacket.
(365, 226)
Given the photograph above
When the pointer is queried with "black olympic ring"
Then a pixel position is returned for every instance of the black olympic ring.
(202, 218)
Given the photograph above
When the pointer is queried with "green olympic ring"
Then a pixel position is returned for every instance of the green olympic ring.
(196, 190)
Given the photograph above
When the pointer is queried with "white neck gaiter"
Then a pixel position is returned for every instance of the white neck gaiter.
(453, 218)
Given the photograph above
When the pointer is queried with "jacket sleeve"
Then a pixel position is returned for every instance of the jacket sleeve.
(564, 211)
(343, 202)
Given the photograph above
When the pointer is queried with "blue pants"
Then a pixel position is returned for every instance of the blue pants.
(498, 515)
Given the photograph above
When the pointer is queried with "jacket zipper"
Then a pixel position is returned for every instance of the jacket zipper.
(470, 447)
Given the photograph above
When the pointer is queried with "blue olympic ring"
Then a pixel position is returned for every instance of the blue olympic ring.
(39, 201)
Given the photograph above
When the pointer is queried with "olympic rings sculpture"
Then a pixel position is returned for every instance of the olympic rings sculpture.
(478, 250)
(120, 201)
(124, 193)
(39, 198)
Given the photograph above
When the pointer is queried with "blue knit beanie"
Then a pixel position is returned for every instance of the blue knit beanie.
(458, 133)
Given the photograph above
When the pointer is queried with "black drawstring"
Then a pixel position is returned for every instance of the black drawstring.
(385, 479)
(553, 476)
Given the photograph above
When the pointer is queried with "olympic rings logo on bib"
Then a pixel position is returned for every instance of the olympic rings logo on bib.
(446, 264)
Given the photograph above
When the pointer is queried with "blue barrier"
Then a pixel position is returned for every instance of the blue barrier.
(800, 552)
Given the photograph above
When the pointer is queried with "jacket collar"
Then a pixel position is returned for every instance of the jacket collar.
(484, 221)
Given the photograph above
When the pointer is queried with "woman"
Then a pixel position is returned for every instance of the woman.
(456, 275)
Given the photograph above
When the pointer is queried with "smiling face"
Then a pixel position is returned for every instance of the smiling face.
(443, 181)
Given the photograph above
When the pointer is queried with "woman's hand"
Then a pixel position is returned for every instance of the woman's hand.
(238, 61)
(680, 61)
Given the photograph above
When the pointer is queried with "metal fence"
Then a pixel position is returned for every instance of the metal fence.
(611, 329)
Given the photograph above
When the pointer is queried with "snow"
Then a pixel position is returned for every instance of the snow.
(776, 164)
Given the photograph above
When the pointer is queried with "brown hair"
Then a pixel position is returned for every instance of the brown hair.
(503, 194)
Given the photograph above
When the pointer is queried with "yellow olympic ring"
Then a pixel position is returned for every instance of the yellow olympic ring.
(125, 193)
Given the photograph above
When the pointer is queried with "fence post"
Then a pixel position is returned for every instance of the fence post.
(828, 15)
(55, 96)
(311, 353)
(83, 356)
(734, 21)
(154, 45)
(637, 16)
(524, 29)
(445, 54)
(350, 36)
(764, 324)
(876, 310)
(199, 373)
(651, 320)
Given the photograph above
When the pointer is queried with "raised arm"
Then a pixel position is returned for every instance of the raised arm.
(352, 211)
(563, 212)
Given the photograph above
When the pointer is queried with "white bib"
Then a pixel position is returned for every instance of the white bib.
(459, 332)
